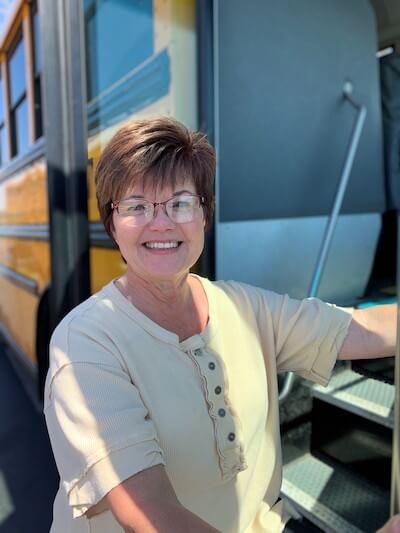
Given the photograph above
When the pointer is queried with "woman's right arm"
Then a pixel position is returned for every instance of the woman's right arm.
(147, 503)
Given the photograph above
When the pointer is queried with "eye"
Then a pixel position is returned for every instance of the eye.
(133, 208)
(137, 207)
(182, 202)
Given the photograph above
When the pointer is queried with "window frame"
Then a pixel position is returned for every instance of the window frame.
(19, 28)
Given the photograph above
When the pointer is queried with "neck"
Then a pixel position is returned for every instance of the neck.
(180, 305)
(160, 292)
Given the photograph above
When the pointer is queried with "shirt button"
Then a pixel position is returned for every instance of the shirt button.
(218, 390)
(211, 366)
(231, 437)
(197, 352)
(221, 412)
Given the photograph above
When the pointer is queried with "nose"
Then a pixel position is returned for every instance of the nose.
(160, 219)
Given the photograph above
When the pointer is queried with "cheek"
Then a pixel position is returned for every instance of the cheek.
(124, 236)
(198, 236)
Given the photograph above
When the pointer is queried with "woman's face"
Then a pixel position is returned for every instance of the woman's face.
(144, 247)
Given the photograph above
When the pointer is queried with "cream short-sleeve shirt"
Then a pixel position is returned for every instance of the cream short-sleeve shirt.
(123, 394)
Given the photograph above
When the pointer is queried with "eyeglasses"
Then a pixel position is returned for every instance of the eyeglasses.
(180, 209)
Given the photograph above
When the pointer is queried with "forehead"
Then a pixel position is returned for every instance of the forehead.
(150, 189)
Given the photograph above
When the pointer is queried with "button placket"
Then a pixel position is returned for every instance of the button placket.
(230, 452)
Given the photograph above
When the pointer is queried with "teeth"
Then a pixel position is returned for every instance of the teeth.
(173, 244)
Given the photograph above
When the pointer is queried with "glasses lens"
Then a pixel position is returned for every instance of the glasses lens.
(138, 211)
(182, 208)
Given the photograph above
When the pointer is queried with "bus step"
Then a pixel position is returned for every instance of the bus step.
(362, 396)
(381, 369)
(354, 442)
(335, 500)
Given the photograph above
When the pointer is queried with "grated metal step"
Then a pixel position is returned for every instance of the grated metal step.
(333, 499)
(363, 396)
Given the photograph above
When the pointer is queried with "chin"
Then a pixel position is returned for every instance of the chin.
(155, 271)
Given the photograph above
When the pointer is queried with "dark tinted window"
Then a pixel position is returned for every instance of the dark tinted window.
(37, 72)
(38, 108)
(36, 42)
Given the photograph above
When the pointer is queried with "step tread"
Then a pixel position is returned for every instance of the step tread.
(364, 396)
(334, 499)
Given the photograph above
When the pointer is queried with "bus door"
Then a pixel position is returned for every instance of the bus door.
(282, 127)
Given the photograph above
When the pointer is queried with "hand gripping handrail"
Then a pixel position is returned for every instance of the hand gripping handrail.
(333, 217)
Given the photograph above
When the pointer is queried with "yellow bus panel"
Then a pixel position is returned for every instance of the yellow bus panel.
(28, 257)
(23, 198)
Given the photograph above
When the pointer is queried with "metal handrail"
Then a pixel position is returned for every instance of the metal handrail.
(333, 218)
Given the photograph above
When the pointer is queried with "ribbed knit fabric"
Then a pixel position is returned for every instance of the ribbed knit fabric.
(123, 394)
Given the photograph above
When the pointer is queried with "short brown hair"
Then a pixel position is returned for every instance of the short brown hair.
(157, 152)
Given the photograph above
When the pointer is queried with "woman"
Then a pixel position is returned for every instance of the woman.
(161, 397)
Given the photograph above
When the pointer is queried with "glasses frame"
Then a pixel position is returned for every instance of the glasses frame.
(115, 205)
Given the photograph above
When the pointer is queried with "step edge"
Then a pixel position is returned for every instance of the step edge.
(344, 402)
(318, 510)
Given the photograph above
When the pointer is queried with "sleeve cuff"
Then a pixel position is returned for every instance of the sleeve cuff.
(109, 472)
(328, 350)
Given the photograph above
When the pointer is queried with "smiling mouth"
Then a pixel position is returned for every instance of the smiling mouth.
(162, 245)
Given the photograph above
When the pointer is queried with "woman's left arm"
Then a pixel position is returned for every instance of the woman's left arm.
(372, 333)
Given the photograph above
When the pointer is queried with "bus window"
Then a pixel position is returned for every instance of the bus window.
(113, 53)
(112, 56)
(37, 69)
(18, 103)
(3, 133)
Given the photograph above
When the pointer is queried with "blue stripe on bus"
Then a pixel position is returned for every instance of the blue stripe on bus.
(41, 232)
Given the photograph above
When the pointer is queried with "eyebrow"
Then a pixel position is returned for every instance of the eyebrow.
(141, 197)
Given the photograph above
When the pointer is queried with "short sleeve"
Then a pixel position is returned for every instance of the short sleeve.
(302, 336)
(100, 430)
(308, 335)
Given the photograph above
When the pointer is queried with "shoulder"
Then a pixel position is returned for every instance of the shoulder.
(83, 335)
(245, 295)
(87, 315)
(265, 303)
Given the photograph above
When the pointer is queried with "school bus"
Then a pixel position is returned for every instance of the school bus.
(300, 100)
(155, 75)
